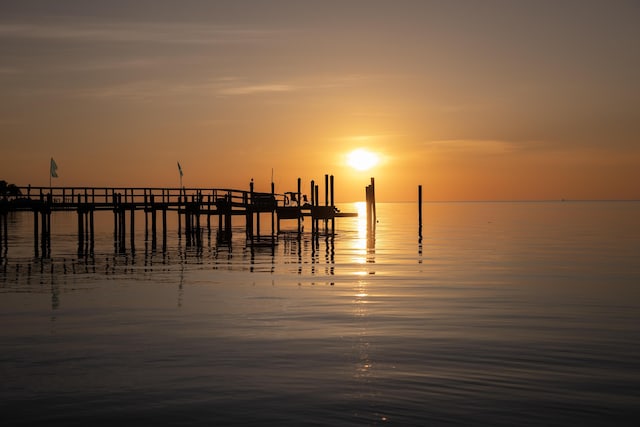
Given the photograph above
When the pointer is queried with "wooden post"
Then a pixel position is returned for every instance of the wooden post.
(146, 215)
(248, 213)
(373, 201)
(333, 206)
(187, 222)
(91, 227)
(371, 207)
(273, 210)
(153, 221)
(80, 226)
(227, 219)
(132, 228)
(420, 210)
(43, 222)
(317, 221)
(420, 223)
(179, 217)
(326, 200)
(122, 221)
(209, 214)
(313, 203)
(367, 202)
(164, 228)
(326, 190)
(299, 211)
(198, 212)
(258, 222)
(220, 219)
(115, 214)
(85, 215)
(35, 231)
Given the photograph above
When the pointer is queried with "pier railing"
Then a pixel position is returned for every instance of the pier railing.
(101, 198)
(190, 204)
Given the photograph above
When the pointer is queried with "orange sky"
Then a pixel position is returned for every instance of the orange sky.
(473, 100)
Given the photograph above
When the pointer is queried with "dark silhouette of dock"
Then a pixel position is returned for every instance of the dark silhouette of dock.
(194, 207)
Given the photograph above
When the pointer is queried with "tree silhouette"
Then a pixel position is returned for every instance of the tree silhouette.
(9, 189)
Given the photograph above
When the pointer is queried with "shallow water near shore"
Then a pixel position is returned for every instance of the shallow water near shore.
(500, 314)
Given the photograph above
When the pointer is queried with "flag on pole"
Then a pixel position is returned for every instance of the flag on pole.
(180, 169)
(53, 169)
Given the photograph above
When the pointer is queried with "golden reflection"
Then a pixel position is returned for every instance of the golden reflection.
(359, 244)
(361, 295)
(363, 362)
(363, 245)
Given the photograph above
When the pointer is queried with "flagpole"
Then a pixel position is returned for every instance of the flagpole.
(180, 172)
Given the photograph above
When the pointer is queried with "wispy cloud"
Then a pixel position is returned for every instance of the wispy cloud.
(256, 89)
(175, 33)
(471, 145)
(148, 90)
(155, 86)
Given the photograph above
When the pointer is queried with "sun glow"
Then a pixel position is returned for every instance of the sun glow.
(361, 159)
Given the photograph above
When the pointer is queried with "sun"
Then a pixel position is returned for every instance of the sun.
(362, 159)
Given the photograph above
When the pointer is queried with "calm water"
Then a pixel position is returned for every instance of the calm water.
(504, 314)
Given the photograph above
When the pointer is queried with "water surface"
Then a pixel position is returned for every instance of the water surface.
(500, 314)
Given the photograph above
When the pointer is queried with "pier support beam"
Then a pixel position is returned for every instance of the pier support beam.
(333, 207)
(132, 228)
(35, 232)
(164, 228)
(153, 222)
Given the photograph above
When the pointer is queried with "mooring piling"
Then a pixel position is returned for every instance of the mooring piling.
(420, 210)
(371, 205)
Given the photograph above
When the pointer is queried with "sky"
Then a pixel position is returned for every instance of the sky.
(473, 100)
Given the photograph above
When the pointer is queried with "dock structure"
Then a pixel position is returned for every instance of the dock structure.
(190, 204)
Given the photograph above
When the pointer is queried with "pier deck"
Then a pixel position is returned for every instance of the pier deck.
(190, 204)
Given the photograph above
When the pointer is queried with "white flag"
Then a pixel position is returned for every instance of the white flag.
(53, 169)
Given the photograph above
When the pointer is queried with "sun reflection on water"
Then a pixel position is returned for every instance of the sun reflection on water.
(363, 362)
(362, 252)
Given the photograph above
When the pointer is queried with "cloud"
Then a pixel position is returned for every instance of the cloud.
(470, 145)
(174, 33)
(256, 89)
(146, 90)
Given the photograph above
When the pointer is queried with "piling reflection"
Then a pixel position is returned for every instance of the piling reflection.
(84, 263)
(420, 244)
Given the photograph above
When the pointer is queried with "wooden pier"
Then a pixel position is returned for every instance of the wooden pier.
(190, 204)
